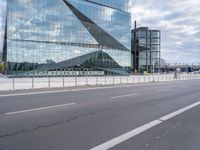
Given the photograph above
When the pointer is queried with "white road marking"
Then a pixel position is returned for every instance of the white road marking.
(85, 89)
(171, 115)
(164, 90)
(34, 93)
(36, 109)
(128, 95)
(126, 136)
(113, 142)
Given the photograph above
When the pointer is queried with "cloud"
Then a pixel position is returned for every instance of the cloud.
(179, 23)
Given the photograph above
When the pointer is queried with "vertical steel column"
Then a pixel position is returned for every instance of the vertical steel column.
(13, 83)
(49, 82)
(32, 82)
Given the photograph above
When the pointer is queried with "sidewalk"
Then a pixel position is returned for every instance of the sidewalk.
(36, 83)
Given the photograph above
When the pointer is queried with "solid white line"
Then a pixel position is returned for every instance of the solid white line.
(34, 93)
(71, 90)
(126, 136)
(36, 109)
(169, 116)
(128, 95)
(131, 134)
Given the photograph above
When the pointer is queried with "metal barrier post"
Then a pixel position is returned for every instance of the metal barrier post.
(63, 81)
(76, 80)
(49, 82)
(32, 82)
(153, 77)
(13, 83)
(87, 78)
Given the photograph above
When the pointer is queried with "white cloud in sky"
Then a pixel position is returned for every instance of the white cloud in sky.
(179, 22)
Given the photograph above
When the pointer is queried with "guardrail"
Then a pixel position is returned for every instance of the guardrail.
(51, 82)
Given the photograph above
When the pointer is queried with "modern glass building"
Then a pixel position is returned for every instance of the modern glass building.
(145, 50)
(49, 35)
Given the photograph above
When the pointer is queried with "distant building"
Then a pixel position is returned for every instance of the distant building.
(183, 67)
(163, 63)
(145, 50)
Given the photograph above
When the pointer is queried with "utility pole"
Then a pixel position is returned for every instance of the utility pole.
(135, 47)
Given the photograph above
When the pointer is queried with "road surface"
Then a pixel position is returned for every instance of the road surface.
(160, 116)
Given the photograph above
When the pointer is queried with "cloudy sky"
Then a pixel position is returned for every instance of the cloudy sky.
(179, 21)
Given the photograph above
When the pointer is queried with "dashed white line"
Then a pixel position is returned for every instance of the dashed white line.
(36, 109)
(163, 90)
(128, 95)
(113, 142)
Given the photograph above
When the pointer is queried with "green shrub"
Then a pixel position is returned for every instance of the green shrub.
(1, 67)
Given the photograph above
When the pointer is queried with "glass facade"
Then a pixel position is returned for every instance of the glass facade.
(123, 5)
(146, 50)
(60, 34)
(2, 26)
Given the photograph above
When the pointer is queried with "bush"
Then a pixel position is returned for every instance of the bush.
(1, 67)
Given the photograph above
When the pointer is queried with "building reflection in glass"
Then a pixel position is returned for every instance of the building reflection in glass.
(45, 35)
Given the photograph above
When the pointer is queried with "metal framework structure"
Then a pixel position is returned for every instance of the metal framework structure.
(145, 50)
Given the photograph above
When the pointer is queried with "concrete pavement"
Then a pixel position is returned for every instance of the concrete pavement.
(85, 118)
(179, 133)
(53, 82)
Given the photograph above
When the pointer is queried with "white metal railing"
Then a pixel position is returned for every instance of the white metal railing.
(51, 82)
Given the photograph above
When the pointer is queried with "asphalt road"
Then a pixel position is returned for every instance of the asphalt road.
(128, 117)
